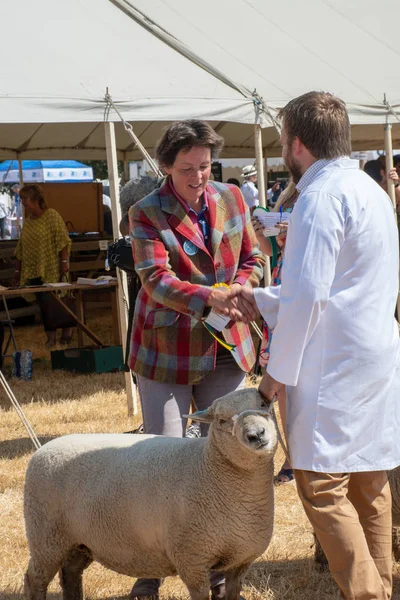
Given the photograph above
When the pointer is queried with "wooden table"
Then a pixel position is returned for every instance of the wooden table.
(79, 316)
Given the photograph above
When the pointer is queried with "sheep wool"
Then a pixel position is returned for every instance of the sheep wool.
(131, 502)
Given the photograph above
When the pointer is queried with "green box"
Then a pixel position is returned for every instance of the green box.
(89, 360)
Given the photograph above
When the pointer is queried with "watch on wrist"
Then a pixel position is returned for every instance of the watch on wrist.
(396, 185)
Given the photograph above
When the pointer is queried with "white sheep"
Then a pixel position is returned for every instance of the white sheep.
(131, 502)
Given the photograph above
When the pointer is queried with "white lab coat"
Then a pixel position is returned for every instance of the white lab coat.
(336, 343)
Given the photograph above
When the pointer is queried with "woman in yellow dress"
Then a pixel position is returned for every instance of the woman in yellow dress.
(43, 257)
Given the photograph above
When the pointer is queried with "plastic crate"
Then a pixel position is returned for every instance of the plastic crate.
(89, 360)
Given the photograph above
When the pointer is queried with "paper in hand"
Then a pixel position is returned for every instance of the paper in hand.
(269, 220)
(217, 320)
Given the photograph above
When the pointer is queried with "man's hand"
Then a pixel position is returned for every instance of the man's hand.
(246, 309)
(270, 388)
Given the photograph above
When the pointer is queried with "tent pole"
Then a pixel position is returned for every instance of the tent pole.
(261, 189)
(389, 163)
(391, 192)
(112, 167)
(20, 222)
(20, 170)
(126, 171)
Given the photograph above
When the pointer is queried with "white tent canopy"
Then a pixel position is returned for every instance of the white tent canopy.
(52, 91)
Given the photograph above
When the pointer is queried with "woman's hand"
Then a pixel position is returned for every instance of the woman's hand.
(64, 267)
(258, 227)
(264, 243)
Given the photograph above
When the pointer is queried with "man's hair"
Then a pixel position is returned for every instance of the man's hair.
(233, 181)
(135, 190)
(35, 192)
(396, 159)
(373, 168)
(184, 135)
(321, 123)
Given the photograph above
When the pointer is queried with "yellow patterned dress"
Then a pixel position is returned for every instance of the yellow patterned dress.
(39, 247)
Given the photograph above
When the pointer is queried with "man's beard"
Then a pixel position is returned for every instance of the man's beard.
(294, 168)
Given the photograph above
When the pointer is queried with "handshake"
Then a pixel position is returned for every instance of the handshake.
(237, 302)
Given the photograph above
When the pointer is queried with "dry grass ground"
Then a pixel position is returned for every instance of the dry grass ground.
(58, 403)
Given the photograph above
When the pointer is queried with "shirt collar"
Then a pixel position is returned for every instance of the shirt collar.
(185, 205)
(312, 172)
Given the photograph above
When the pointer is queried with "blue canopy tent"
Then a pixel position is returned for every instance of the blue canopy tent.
(40, 171)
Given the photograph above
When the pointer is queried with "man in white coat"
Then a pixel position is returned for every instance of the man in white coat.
(336, 345)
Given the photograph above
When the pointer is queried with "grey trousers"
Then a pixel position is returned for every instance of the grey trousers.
(163, 404)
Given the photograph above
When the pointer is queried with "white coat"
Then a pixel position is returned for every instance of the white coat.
(336, 343)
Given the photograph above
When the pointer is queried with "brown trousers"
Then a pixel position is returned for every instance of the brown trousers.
(352, 518)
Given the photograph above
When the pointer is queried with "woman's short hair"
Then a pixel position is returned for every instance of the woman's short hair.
(184, 135)
(34, 192)
(321, 123)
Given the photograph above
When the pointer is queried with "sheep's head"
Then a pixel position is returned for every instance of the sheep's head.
(243, 416)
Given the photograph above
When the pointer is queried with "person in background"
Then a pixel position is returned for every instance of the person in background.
(16, 210)
(274, 247)
(249, 189)
(233, 181)
(43, 257)
(192, 239)
(377, 170)
(396, 163)
(3, 215)
(133, 191)
(336, 345)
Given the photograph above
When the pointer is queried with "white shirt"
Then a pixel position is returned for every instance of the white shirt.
(3, 210)
(336, 343)
(250, 194)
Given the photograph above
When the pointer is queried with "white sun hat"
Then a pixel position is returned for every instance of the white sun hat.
(249, 171)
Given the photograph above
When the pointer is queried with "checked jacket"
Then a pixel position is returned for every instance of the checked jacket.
(169, 342)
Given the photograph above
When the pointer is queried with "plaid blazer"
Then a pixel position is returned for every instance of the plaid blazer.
(169, 342)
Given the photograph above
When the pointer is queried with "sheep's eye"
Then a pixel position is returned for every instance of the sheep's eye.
(222, 421)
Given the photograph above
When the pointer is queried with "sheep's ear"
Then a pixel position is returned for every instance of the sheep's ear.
(202, 416)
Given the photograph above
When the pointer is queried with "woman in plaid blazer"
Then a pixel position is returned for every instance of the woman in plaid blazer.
(188, 236)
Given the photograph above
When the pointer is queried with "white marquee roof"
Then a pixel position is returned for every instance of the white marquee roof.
(204, 62)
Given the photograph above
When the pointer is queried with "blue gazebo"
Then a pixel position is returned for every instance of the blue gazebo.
(41, 171)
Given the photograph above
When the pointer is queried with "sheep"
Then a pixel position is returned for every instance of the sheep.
(394, 481)
(131, 501)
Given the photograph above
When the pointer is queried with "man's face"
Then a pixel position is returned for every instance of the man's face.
(290, 161)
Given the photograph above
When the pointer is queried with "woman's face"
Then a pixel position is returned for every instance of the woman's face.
(190, 172)
(29, 204)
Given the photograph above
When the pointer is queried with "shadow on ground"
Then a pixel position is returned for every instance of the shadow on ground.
(19, 447)
(302, 578)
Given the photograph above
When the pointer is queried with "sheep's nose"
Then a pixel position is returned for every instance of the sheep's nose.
(256, 436)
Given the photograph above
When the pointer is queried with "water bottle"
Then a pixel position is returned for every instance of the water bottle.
(22, 367)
